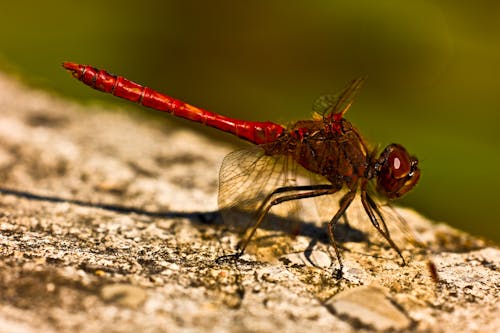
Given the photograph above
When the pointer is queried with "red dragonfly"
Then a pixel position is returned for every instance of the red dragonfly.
(328, 147)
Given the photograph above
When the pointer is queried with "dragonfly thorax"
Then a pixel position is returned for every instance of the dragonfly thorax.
(339, 155)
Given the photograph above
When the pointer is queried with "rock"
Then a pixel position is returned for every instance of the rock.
(369, 307)
(109, 222)
(124, 294)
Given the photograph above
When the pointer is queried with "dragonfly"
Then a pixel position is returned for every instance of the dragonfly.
(327, 148)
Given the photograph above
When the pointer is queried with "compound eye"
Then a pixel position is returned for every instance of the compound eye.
(400, 163)
(397, 172)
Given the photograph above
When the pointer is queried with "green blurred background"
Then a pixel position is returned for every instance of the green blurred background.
(433, 69)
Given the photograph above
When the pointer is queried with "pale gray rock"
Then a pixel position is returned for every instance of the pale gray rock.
(109, 223)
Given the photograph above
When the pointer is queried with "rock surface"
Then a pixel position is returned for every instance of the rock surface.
(109, 223)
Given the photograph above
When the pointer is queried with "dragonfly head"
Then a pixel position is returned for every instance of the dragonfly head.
(397, 171)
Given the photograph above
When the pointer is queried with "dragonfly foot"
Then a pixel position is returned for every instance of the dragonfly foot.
(338, 273)
(229, 258)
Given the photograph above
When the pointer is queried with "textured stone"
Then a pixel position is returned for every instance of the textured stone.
(109, 223)
(369, 306)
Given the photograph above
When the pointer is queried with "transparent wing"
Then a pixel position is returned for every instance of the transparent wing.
(247, 178)
(338, 103)
(324, 103)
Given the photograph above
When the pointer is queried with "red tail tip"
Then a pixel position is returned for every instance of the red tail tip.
(70, 65)
(75, 69)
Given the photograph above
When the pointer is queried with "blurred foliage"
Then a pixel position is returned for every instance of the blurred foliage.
(432, 67)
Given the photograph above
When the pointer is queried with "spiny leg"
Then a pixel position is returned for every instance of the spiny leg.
(268, 203)
(346, 220)
(370, 206)
(346, 225)
(344, 204)
(379, 213)
(285, 189)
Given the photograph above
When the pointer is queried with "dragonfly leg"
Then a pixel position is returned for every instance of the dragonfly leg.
(281, 190)
(371, 209)
(344, 204)
(269, 202)
(374, 206)
(346, 220)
